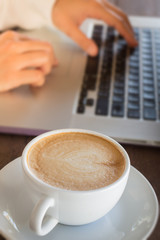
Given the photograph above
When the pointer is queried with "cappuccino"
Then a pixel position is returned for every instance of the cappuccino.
(76, 161)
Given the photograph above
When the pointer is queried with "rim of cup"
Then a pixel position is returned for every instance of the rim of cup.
(41, 183)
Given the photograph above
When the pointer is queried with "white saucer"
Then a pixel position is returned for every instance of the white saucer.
(134, 217)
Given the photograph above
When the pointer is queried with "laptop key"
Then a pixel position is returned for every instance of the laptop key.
(148, 75)
(133, 97)
(117, 109)
(133, 105)
(148, 68)
(91, 83)
(102, 106)
(118, 98)
(90, 102)
(118, 90)
(149, 95)
(146, 40)
(81, 109)
(92, 65)
(148, 81)
(133, 84)
(133, 90)
(134, 71)
(147, 62)
(149, 113)
(103, 93)
(83, 94)
(103, 89)
(146, 46)
(119, 84)
(133, 113)
(149, 103)
(133, 77)
(148, 88)
(98, 41)
(147, 51)
(133, 58)
(146, 57)
(97, 28)
(146, 32)
(134, 64)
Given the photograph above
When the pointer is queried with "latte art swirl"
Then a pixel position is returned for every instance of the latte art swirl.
(76, 161)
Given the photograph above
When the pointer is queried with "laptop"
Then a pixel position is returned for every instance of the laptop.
(116, 93)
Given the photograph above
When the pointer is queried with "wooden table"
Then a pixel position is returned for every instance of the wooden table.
(145, 159)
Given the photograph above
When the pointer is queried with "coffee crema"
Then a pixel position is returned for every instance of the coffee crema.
(76, 161)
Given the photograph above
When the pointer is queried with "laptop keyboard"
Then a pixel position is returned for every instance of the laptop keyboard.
(125, 82)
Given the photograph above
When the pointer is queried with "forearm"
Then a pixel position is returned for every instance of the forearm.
(27, 14)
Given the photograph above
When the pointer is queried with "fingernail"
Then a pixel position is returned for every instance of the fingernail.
(133, 43)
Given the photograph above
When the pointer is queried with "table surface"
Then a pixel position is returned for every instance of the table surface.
(145, 159)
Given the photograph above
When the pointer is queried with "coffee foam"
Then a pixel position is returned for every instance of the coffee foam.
(76, 161)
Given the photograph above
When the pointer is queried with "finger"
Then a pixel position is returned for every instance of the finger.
(32, 77)
(12, 35)
(37, 59)
(31, 46)
(114, 20)
(88, 45)
(119, 12)
(34, 45)
(23, 77)
(8, 35)
(39, 83)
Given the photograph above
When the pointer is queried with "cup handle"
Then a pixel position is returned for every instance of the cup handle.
(40, 222)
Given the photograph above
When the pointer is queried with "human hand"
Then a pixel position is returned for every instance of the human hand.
(23, 61)
(68, 15)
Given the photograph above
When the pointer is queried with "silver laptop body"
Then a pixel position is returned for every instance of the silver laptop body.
(117, 94)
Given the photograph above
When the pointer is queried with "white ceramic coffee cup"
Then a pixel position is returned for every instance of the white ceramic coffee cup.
(54, 205)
